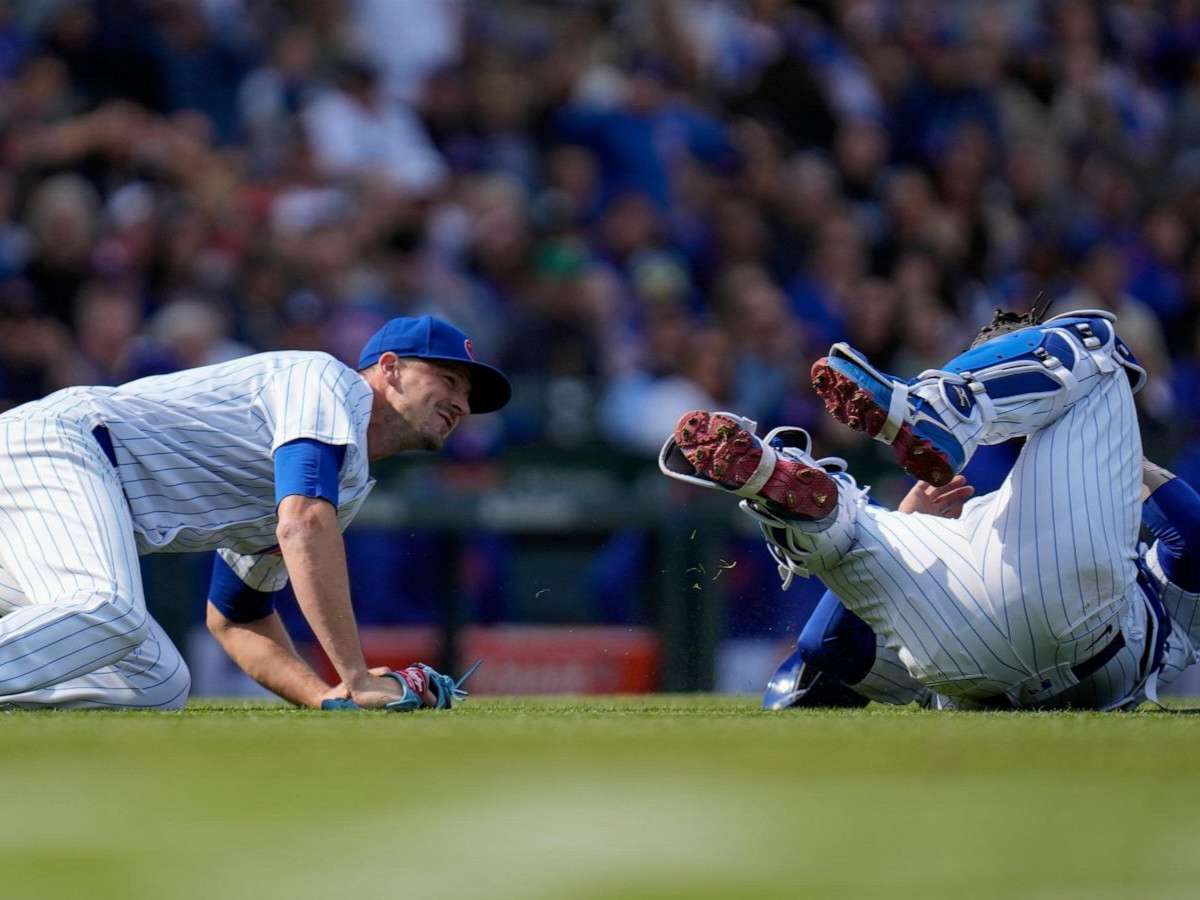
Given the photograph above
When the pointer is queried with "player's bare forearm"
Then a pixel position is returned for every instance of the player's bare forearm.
(312, 548)
(263, 650)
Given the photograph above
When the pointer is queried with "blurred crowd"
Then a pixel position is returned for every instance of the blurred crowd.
(635, 206)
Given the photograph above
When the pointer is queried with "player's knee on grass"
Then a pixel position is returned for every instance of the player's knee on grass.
(172, 692)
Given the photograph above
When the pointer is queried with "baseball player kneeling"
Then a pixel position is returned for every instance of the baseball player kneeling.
(265, 460)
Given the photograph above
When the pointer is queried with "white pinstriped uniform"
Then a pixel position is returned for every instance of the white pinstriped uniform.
(889, 681)
(195, 472)
(1033, 579)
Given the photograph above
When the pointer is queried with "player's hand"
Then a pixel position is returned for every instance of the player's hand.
(379, 691)
(340, 692)
(945, 501)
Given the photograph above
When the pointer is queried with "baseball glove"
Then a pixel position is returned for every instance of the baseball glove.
(1003, 322)
(414, 681)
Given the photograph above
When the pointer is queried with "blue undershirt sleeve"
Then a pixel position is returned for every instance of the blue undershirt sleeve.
(308, 468)
(1172, 515)
(236, 601)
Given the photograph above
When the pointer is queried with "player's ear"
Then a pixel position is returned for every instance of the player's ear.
(390, 365)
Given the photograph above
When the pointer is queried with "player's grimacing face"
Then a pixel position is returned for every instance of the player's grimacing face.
(431, 398)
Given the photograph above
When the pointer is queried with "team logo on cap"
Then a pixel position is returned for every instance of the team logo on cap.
(470, 348)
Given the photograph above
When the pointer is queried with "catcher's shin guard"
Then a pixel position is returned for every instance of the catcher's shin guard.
(1006, 387)
(802, 547)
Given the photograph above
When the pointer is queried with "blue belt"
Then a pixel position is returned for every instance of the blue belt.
(104, 439)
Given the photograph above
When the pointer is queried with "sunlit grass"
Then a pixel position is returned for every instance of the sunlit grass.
(658, 796)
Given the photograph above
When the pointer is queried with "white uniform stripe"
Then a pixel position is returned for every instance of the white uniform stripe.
(935, 618)
(862, 587)
(944, 612)
(968, 593)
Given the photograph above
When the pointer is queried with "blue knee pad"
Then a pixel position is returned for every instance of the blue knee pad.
(1030, 346)
(1042, 348)
(1172, 515)
(837, 642)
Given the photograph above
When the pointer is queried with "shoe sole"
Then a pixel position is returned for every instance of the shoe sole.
(852, 404)
(721, 450)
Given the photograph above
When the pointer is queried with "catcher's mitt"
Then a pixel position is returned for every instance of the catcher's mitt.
(415, 680)
(1003, 322)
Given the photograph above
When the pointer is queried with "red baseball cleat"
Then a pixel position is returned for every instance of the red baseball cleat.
(726, 453)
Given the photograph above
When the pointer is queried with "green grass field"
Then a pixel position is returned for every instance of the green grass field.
(673, 797)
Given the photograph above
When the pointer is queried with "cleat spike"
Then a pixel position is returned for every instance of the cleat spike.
(722, 450)
(856, 408)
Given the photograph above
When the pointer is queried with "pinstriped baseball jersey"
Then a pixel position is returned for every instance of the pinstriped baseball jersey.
(195, 472)
(195, 449)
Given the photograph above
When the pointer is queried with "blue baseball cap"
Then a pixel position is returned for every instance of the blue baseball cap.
(427, 337)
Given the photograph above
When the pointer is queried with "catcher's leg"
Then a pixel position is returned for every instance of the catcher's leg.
(67, 548)
(916, 580)
(913, 579)
(1058, 544)
(1009, 386)
(837, 646)
(812, 502)
(835, 649)
(888, 681)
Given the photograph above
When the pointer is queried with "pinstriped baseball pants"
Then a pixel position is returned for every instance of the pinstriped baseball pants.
(1031, 580)
(74, 630)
